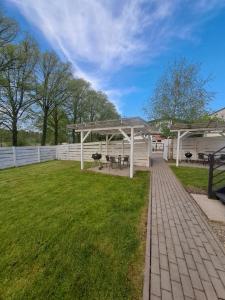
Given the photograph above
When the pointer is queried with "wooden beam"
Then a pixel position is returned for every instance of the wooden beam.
(112, 136)
(125, 135)
(86, 135)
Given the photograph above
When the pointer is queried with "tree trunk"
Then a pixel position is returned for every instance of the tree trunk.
(44, 128)
(14, 132)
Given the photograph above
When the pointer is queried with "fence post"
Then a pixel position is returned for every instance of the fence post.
(14, 156)
(56, 152)
(39, 154)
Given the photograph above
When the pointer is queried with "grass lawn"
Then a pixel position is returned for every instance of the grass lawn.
(66, 234)
(192, 178)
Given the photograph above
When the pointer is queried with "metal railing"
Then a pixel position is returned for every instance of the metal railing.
(216, 180)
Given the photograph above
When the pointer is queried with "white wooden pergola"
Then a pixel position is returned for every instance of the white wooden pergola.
(127, 127)
(185, 130)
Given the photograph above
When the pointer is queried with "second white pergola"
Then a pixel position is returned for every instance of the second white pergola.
(128, 127)
(185, 130)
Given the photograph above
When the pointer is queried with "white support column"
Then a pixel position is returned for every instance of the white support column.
(100, 147)
(150, 145)
(131, 152)
(178, 148)
(81, 150)
(106, 144)
(179, 138)
(149, 150)
(122, 147)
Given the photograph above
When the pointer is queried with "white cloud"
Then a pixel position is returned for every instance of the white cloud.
(99, 37)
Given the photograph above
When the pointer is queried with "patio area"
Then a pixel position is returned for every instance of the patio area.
(117, 171)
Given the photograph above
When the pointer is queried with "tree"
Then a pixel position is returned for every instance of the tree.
(75, 104)
(16, 85)
(51, 86)
(98, 107)
(57, 124)
(8, 31)
(180, 94)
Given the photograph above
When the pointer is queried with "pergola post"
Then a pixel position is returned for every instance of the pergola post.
(149, 148)
(179, 137)
(131, 152)
(106, 144)
(122, 147)
(82, 139)
(81, 150)
(178, 148)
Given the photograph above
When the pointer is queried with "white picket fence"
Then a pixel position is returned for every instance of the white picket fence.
(72, 151)
(19, 156)
(195, 145)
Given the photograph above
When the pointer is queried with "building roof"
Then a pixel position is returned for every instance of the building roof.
(217, 111)
(210, 125)
(112, 126)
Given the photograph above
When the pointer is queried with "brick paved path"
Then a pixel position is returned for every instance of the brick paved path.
(187, 261)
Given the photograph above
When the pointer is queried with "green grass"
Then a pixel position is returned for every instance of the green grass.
(66, 234)
(192, 178)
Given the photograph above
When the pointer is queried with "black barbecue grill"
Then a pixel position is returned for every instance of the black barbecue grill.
(97, 158)
(188, 156)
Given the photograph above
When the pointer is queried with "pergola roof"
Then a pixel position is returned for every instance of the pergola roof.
(210, 125)
(112, 126)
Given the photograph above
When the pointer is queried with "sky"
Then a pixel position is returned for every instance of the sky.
(122, 47)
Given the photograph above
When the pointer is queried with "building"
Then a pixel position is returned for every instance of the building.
(219, 113)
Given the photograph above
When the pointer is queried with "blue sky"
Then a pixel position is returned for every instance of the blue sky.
(122, 47)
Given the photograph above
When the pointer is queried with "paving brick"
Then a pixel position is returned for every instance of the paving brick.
(222, 276)
(177, 291)
(202, 272)
(190, 261)
(203, 253)
(219, 288)
(199, 295)
(217, 264)
(166, 295)
(209, 290)
(179, 251)
(155, 265)
(163, 262)
(174, 272)
(165, 280)
(195, 279)
(155, 285)
(153, 297)
(182, 266)
(210, 268)
(187, 286)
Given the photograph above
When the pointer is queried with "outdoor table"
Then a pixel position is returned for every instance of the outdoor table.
(118, 159)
